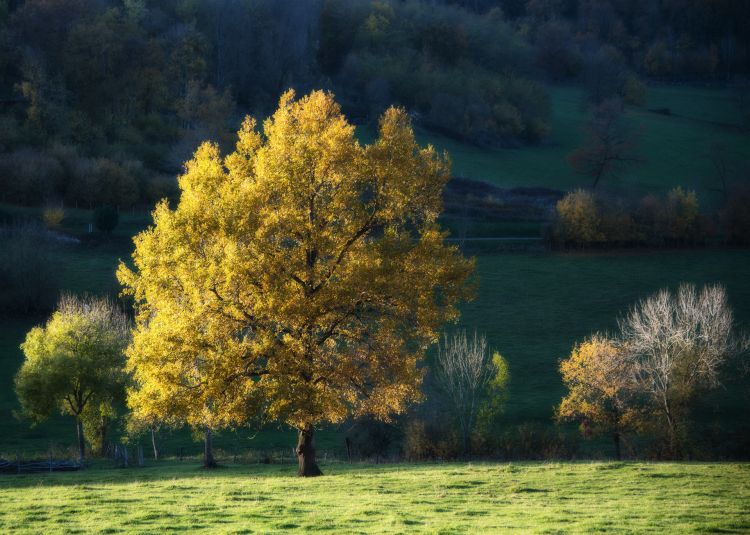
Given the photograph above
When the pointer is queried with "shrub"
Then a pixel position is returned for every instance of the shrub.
(681, 217)
(425, 440)
(532, 441)
(53, 216)
(373, 439)
(106, 219)
(577, 219)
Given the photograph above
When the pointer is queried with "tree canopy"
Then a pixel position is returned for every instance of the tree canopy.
(74, 362)
(300, 278)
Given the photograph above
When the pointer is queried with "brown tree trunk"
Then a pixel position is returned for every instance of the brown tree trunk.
(208, 450)
(81, 439)
(616, 438)
(154, 444)
(306, 453)
(103, 436)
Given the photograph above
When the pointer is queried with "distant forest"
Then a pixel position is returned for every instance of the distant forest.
(102, 100)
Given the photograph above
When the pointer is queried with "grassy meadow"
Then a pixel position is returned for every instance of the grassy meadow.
(422, 498)
(675, 148)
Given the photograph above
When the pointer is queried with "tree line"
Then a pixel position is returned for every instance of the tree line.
(102, 101)
(585, 218)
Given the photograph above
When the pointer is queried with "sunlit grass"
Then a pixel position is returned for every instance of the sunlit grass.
(439, 498)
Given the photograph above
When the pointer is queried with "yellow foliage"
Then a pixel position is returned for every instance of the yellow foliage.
(300, 278)
(682, 215)
(578, 218)
(599, 382)
(53, 216)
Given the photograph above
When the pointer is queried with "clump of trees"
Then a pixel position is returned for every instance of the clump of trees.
(74, 364)
(473, 380)
(465, 74)
(466, 391)
(670, 350)
(584, 219)
(300, 278)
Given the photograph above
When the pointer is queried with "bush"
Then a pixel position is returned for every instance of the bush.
(106, 219)
(373, 439)
(530, 441)
(428, 440)
(681, 217)
(577, 220)
(29, 277)
(634, 91)
(583, 219)
(53, 216)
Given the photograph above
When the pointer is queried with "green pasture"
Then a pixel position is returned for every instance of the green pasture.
(178, 497)
(675, 148)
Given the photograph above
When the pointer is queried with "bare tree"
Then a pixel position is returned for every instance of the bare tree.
(610, 147)
(678, 343)
(463, 369)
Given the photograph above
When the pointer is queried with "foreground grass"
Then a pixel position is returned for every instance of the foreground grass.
(438, 498)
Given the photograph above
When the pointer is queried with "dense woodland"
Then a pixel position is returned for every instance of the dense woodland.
(101, 101)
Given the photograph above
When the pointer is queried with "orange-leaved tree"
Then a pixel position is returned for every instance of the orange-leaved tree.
(300, 278)
(600, 381)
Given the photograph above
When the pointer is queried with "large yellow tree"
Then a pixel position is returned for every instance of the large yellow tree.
(300, 278)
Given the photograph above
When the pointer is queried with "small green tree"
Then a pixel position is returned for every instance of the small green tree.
(496, 394)
(75, 362)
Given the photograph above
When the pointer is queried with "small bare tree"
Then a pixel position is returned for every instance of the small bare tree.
(678, 343)
(463, 369)
(610, 146)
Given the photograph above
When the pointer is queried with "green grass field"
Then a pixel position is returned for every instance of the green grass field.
(675, 147)
(431, 498)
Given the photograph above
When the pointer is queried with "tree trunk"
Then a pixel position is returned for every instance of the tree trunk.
(208, 450)
(616, 438)
(306, 453)
(671, 429)
(154, 444)
(81, 440)
(103, 436)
